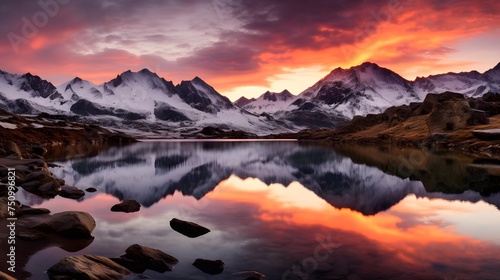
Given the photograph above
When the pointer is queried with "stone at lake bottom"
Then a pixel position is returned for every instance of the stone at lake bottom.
(150, 259)
(126, 206)
(71, 224)
(71, 192)
(91, 189)
(87, 267)
(249, 275)
(188, 229)
(209, 266)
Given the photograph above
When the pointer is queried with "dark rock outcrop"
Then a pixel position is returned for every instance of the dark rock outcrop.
(71, 224)
(126, 206)
(188, 229)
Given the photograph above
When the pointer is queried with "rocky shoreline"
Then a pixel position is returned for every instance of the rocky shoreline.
(33, 229)
(442, 122)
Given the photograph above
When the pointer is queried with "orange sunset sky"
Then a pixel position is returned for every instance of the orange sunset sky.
(246, 47)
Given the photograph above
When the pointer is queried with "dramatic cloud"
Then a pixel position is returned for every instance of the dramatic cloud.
(236, 44)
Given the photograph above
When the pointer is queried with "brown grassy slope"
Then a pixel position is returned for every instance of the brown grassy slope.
(410, 125)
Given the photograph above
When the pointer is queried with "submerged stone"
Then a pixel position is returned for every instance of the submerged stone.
(188, 229)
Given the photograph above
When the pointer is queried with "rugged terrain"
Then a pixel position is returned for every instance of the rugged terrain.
(442, 121)
(144, 104)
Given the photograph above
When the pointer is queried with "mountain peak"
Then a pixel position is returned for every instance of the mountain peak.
(76, 80)
(146, 71)
(368, 64)
(198, 80)
(242, 101)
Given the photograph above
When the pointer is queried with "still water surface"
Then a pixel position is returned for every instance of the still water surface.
(290, 211)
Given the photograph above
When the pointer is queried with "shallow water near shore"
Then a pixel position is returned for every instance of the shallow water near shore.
(290, 211)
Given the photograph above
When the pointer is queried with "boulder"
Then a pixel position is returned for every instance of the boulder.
(209, 266)
(449, 116)
(71, 192)
(432, 99)
(87, 267)
(49, 189)
(69, 224)
(126, 206)
(478, 117)
(188, 229)
(91, 189)
(150, 258)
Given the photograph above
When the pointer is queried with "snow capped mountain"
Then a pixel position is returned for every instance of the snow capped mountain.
(242, 101)
(370, 89)
(269, 102)
(27, 94)
(472, 84)
(133, 101)
(360, 90)
(144, 102)
(493, 75)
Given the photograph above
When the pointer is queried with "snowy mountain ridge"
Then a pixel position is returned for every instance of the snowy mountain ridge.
(370, 89)
(133, 100)
(143, 103)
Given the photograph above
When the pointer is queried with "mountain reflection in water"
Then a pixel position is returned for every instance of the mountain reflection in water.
(292, 211)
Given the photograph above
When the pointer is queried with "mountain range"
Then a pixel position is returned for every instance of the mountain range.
(146, 104)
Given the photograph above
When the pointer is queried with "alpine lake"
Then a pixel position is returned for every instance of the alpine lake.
(285, 209)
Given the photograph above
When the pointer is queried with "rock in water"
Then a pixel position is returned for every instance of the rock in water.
(126, 206)
(188, 229)
(139, 258)
(209, 266)
(70, 224)
(71, 192)
(87, 267)
(91, 189)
